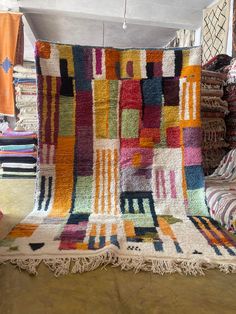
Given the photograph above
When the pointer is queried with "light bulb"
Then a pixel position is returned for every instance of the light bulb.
(124, 25)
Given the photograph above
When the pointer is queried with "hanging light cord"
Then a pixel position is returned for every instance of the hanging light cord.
(124, 23)
(103, 34)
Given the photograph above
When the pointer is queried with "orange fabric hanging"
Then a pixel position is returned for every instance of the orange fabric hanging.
(9, 30)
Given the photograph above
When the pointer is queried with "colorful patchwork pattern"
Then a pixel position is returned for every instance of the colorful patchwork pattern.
(120, 160)
(116, 121)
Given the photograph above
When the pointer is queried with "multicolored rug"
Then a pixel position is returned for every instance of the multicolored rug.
(120, 178)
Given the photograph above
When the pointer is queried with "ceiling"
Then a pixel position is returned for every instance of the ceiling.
(151, 23)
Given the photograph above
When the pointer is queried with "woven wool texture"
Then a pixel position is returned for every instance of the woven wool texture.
(221, 192)
(121, 125)
(213, 112)
(26, 97)
(120, 178)
(215, 29)
(230, 96)
(18, 155)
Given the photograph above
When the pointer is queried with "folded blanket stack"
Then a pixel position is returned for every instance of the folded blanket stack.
(25, 92)
(18, 154)
(230, 96)
(217, 63)
(213, 111)
(221, 192)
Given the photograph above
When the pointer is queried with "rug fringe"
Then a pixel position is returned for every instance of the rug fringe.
(30, 265)
(64, 266)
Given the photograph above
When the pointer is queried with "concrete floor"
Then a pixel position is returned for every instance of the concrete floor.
(103, 291)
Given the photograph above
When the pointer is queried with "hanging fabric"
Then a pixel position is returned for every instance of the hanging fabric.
(11, 51)
(19, 55)
(184, 38)
(215, 30)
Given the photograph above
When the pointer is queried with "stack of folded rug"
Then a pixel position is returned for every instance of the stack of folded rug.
(213, 111)
(217, 63)
(221, 192)
(18, 154)
(230, 95)
(25, 92)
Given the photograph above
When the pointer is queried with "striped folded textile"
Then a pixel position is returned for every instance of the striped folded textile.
(212, 77)
(18, 144)
(11, 169)
(18, 176)
(25, 95)
(26, 99)
(230, 93)
(212, 92)
(20, 154)
(28, 110)
(217, 63)
(221, 192)
(18, 159)
(214, 104)
(24, 78)
(230, 96)
(17, 151)
(26, 147)
(226, 170)
(213, 111)
(221, 200)
(20, 141)
(27, 76)
(18, 134)
(29, 67)
(18, 165)
(18, 173)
